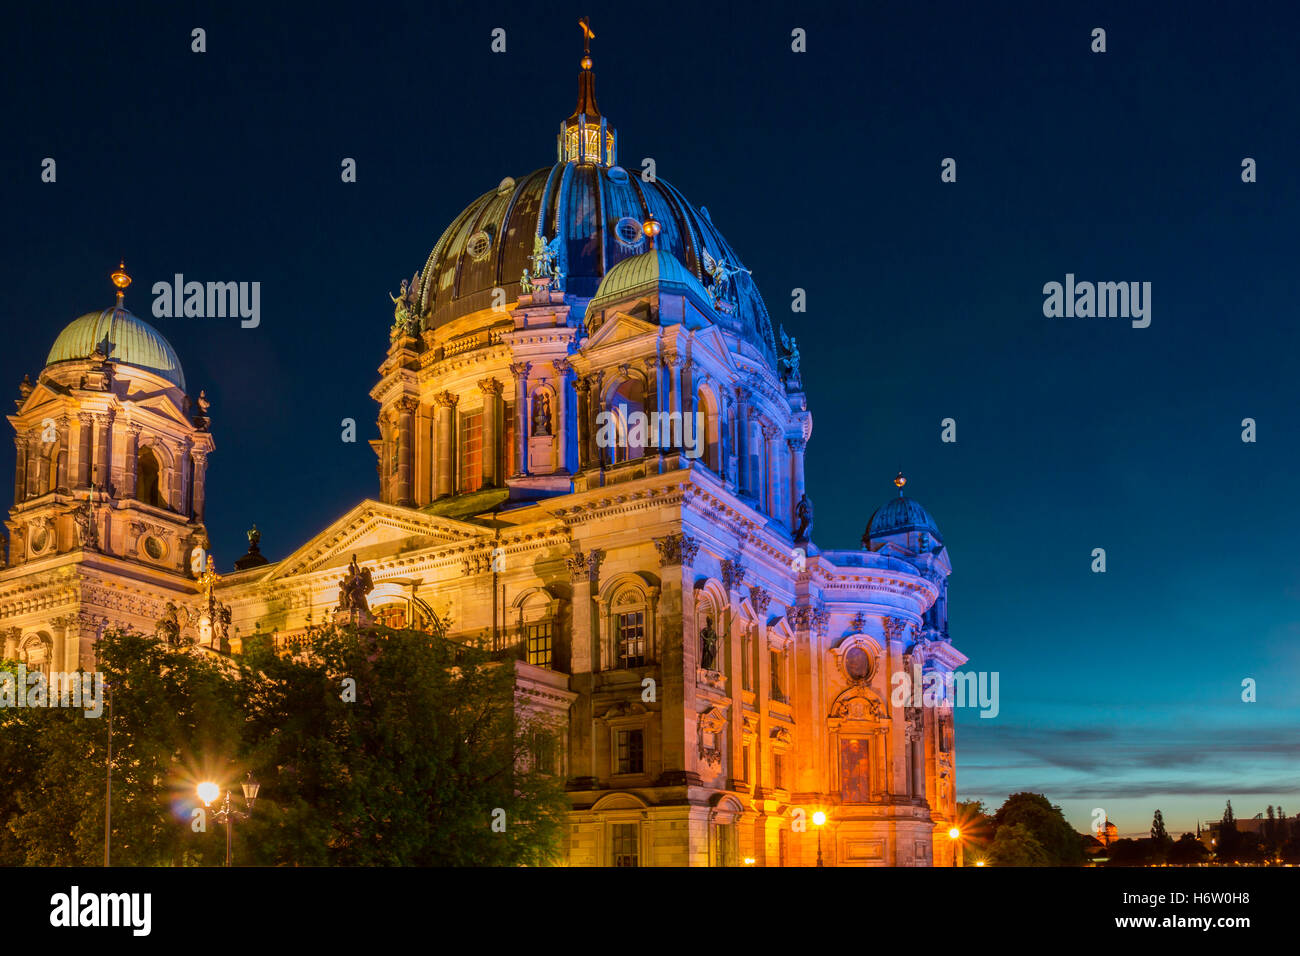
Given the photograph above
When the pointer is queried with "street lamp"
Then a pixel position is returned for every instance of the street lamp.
(819, 821)
(954, 834)
(208, 792)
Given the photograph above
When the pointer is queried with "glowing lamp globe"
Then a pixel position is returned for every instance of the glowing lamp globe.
(819, 819)
(954, 834)
(208, 792)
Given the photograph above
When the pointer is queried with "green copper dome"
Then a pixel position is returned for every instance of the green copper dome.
(644, 273)
(132, 341)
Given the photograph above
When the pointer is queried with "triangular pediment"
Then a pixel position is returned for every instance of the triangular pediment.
(373, 530)
(619, 329)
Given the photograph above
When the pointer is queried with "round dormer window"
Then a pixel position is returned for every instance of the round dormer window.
(479, 245)
(629, 232)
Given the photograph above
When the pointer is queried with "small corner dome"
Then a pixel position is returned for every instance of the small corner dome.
(901, 515)
(133, 342)
(656, 269)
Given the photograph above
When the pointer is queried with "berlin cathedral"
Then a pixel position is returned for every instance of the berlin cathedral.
(722, 685)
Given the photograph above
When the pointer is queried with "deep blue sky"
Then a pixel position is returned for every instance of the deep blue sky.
(1119, 691)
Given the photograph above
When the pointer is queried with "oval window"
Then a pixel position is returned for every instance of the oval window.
(857, 663)
(153, 547)
(628, 231)
(479, 245)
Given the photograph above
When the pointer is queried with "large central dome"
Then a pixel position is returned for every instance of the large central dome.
(596, 208)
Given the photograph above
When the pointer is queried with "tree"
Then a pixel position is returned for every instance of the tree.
(1188, 851)
(416, 771)
(1128, 852)
(1160, 839)
(1016, 845)
(1229, 846)
(1047, 824)
(976, 828)
(430, 763)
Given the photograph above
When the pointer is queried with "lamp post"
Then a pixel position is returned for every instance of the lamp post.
(954, 834)
(208, 792)
(819, 821)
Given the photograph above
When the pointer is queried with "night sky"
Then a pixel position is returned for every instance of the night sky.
(1119, 690)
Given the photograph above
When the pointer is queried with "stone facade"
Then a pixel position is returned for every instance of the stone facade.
(720, 678)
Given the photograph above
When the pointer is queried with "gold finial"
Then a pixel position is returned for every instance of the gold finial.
(652, 229)
(899, 482)
(121, 280)
(587, 37)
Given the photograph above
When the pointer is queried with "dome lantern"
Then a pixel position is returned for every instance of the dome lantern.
(586, 137)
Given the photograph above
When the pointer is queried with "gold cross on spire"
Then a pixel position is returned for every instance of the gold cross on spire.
(587, 35)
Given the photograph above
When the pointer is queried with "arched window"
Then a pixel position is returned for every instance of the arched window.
(707, 426)
(148, 478)
(626, 405)
(627, 610)
(36, 652)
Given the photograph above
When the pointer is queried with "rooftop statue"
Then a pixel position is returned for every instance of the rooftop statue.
(804, 512)
(354, 588)
(545, 262)
(789, 361)
(721, 272)
(406, 308)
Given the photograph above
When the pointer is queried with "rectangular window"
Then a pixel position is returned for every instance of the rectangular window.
(631, 639)
(778, 771)
(725, 844)
(623, 842)
(509, 464)
(747, 660)
(855, 770)
(778, 677)
(538, 637)
(631, 751)
(745, 757)
(471, 452)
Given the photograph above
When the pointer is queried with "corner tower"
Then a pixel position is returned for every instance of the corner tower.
(109, 488)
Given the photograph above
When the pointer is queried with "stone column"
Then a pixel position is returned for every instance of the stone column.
(11, 643)
(754, 458)
(200, 467)
(20, 471)
(560, 429)
(678, 660)
(59, 651)
(185, 478)
(132, 458)
(491, 389)
(84, 448)
(582, 388)
(520, 372)
(772, 477)
(34, 448)
(585, 658)
(446, 405)
(674, 384)
(103, 446)
(796, 446)
(406, 409)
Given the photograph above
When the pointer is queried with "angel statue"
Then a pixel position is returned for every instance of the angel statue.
(354, 588)
(406, 308)
(720, 271)
(545, 262)
(789, 363)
